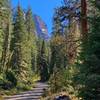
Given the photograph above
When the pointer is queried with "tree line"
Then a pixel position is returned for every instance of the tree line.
(69, 61)
(22, 54)
(75, 49)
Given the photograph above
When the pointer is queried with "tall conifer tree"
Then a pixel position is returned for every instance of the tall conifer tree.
(43, 64)
(20, 46)
(31, 38)
(6, 26)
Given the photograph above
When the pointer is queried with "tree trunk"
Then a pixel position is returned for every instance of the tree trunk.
(84, 26)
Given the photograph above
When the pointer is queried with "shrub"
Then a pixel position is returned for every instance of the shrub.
(8, 80)
(10, 76)
(57, 80)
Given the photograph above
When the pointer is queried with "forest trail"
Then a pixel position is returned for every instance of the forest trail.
(35, 94)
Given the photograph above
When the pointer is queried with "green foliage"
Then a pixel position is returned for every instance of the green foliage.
(57, 80)
(64, 49)
(8, 81)
(42, 61)
(62, 80)
(32, 39)
(88, 77)
(58, 52)
(5, 33)
(23, 87)
(10, 76)
(20, 48)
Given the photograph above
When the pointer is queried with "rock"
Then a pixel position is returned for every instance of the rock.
(63, 97)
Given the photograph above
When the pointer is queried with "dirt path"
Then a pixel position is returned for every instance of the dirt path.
(35, 94)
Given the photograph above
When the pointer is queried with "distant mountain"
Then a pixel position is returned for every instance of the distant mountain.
(41, 28)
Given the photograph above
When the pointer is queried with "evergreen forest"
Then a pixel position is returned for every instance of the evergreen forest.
(68, 61)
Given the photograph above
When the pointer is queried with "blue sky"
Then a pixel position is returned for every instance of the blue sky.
(43, 8)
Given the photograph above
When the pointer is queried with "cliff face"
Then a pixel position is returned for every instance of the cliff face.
(41, 28)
